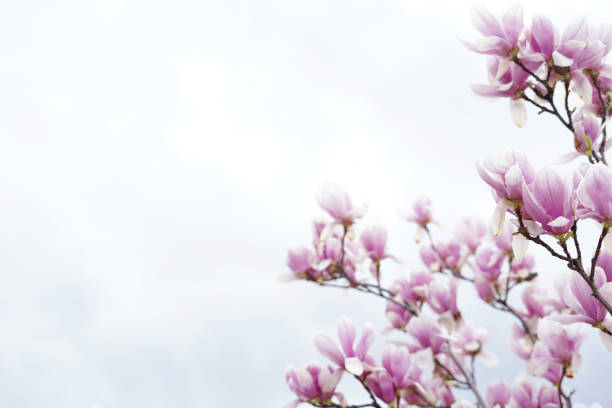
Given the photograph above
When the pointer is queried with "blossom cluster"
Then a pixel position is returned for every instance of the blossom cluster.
(527, 63)
(435, 362)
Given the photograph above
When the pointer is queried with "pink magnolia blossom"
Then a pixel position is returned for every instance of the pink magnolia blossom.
(525, 395)
(549, 201)
(430, 258)
(470, 232)
(381, 384)
(312, 382)
(605, 263)
(595, 193)
(414, 289)
(354, 357)
(443, 298)
(587, 130)
(548, 397)
(426, 332)
(489, 261)
(519, 341)
(397, 315)
(498, 394)
(558, 345)
(578, 297)
(338, 204)
(500, 36)
(484, 287)
(374, 241)
(421, 212)
(300, 260)
(506, 173)
(396, 361)
(543, 37)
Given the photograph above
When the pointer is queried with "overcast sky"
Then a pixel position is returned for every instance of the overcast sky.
(158, 158)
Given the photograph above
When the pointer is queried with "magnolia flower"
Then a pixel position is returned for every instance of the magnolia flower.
(595, 193)
(300, 260)
(525, 395)
(500, 36)
(549, 201)
(470, 233)
(498, 394)
(543, 37)
(374, 241)
(396, 361)
(489, 261)
(558, 345)
(426, 332)
(506, 173)
(338, 204)
(520, 342)
(381, 384)
(578, 297)
(443, 298)
(312, 382)
(353, 357)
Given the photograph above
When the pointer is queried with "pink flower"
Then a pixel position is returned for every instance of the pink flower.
(578, 297)
(430, 258)
(414, 289)
(503, 240)
(549, 201)
(587, 130)
(374, 241)
(498, 394)
(489, 261)
(397, 362)
(506, 173)
(312, 382)
(470, 233)
(484, 287)
(558, 345)
(548, 397)
(525, 395)
(381, 384)
(605, 262)
(338, 204)
(300, 260)
(353, 358)
(443, 298)
(519, 342)
(397, 315)
(500, 37)
(451, 255)
(543, 37)
(426, 332)
(421, 212)
(595, 193)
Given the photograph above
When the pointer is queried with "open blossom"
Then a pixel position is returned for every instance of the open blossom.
(470, 233)
(430, 258)
(374, 241)
(549, 201)
(354, 356)
(451, 255)
(498, 394)
(381, 384)
(338, 204)
(506, 172)
(312, 382)
(414, 289)
(519, 341)
(397, 315)
(587, 130)
(300, 260)
(558, 345)
(421, 212)
(500, 36)
(426, 332)
(396, 360)
(578, 297)
(443, 298)
(489, 261)
(543, 37)
(595, 193)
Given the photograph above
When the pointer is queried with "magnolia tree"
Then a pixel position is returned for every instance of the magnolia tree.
(562, 75)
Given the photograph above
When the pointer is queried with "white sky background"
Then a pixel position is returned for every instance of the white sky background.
(157, 159)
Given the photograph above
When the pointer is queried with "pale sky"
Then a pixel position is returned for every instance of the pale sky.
(157, 159)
